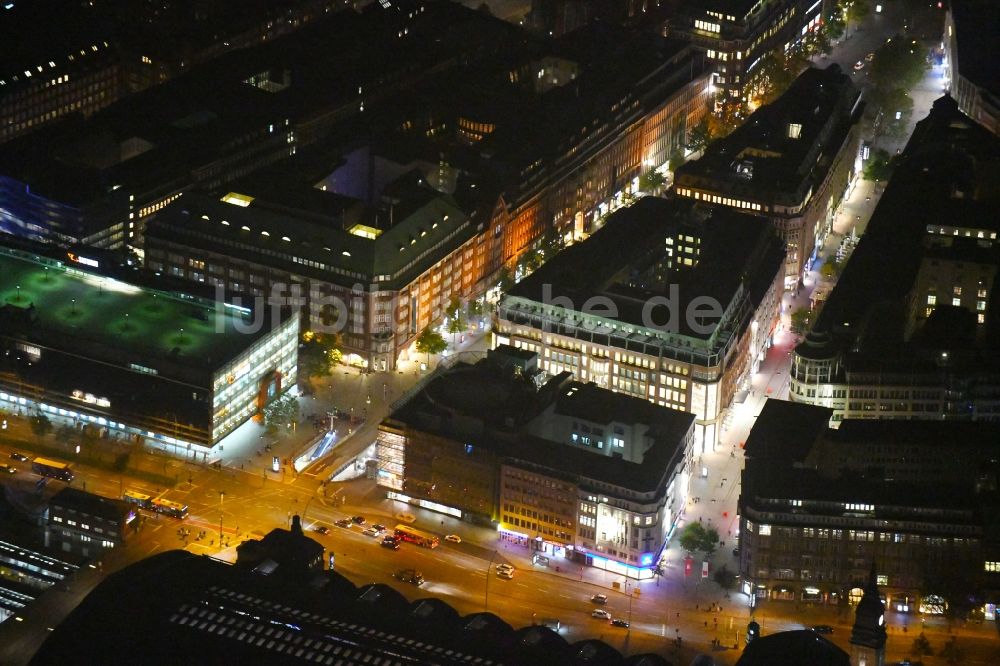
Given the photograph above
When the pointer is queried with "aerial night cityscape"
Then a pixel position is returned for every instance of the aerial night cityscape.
(500, 332)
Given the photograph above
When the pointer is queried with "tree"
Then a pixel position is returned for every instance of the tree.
(41, 426)
(831, 269)
(700, 135)
(456, 318)
(897, 106)
(724, 577)
(834, 25)
(696, 537)
(879, 166)
(800, 320)
(505, 280)
(282, 412)
(816, 42)
(728, 118)
(651, 181)
(857, 11)
(676, 159)
(921, 647)
(430, 342)
(899, 63)
(318, 354)
(476, 308)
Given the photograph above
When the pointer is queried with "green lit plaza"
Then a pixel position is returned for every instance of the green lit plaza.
(164, 366)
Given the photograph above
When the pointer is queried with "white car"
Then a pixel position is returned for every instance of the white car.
(601, 614)
(454, 538)
(371, 532)
(505, 567)
(505, 573)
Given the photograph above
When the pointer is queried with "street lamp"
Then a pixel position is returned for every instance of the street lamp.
(222, 496)
(489, 568)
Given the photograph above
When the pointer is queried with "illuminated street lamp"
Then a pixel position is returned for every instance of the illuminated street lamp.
(222, 496)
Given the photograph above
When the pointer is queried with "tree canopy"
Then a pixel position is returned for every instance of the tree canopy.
(899, 63)
(319, 353)
(879, 166)
(696, 537)
(282, 412)
(430, 342)
(41, 425)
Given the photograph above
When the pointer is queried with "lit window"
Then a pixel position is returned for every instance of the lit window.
(765, 530)
(794, 130)
(931, 299)
(956, 302)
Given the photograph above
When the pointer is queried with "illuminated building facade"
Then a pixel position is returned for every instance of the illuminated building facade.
(819, 505)
(923, 345)
(86, 524)
(791, 162)
(573, 470)
(736, 36)
(632, 335)
(176, 371)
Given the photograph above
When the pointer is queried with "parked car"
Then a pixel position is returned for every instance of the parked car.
(358, 520)
(618, 622)
(870, 56)
(7, 468)
(600, 599)
(858, 66)
(344, 522)
(371, 532)
(601, 613)
(454, 538)
(322, 529)
(18, 456)
(823, 629)
(410, 576)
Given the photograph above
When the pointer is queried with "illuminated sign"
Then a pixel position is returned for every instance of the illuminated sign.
(91, 399)
(86, 261)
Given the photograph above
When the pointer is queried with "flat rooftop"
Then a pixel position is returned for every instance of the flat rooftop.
(735, 248)
(780, 149)
(505, 404)
(55, 305)
(949, 173)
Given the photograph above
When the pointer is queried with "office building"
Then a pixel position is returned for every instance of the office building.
(86, 524)
(621, 309)
(571, 469)
(910, 330)
(96, 180)
(791, 162)
(28, 570)
(971, 59)
(82, 57)
(177, 371)
(396, 227)
(819, 505)
(737, 35)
